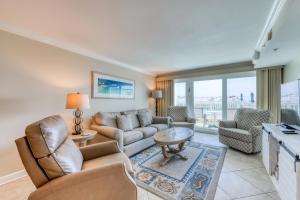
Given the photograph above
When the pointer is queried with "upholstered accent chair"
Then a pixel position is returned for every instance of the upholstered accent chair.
(290, 116)
(244, 133)
(60, 170)
(180, 117)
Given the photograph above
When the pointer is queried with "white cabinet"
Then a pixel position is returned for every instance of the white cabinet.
(265, 149)
(288, 181)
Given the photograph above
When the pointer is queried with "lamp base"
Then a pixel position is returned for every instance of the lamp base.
(77, 122)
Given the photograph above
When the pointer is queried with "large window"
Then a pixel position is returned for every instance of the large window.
(180, 94)
(241, 93)
(208, 103)
(213, 99)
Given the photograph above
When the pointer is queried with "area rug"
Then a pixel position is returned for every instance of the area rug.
(193, 179)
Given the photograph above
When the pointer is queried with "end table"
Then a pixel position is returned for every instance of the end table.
(85, 136)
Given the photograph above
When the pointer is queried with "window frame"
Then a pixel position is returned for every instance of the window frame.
(189, 95)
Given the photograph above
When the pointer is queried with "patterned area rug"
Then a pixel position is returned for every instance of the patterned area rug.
(192, 179)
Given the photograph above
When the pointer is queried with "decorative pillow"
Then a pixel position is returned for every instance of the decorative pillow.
(145, 118)
(134, 117)
(107, 119)
(124, 122)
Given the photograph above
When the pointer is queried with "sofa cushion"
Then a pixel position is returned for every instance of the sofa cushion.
(134, 117)
(124, 122)
(48, 142)
(239, 134)
(132, 136)
(145, 117)
(160, 127)
(147, 131)
(107, 161)
(107, 118)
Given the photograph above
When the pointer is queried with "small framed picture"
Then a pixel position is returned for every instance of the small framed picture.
(107, 86)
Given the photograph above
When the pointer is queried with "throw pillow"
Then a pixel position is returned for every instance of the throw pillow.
(145, 118)
(124, 122)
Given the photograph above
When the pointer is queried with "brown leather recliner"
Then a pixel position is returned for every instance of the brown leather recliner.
(60, 170)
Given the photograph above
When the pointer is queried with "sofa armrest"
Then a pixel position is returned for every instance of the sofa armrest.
(161, 120)
(255, 131)
(110, 132)
(227, 124)
(92, 184)
(100, 149)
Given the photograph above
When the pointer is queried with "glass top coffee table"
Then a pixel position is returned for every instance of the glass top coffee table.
(173, 136)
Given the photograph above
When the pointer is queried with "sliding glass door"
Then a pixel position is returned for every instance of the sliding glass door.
(180, 94)
(210, 100)
(208, 103)
(241, 93)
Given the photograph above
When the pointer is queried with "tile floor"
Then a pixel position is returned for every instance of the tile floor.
(243, 177)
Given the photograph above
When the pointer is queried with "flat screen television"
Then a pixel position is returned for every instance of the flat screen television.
(290, 102)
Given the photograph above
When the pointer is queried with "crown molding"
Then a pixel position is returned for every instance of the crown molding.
(68, 47)
(208, 71)
(266, 33)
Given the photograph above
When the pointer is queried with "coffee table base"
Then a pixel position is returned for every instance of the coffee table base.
(170, 152)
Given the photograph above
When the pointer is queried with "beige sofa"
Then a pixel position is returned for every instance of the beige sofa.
(60, 170)
(130, 141)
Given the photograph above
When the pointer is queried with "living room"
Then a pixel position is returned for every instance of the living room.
(149, 100)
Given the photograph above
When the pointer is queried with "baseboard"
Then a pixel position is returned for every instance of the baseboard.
(13, 176)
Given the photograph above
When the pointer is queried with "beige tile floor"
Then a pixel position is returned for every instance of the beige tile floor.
(243, 177)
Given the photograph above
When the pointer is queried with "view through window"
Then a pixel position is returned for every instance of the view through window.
(241, 93)
(210, 104)
(180, 94)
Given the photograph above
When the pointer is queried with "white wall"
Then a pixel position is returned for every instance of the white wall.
(34, 79)
(292, 70)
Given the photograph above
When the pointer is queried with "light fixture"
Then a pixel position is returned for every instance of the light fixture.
(78, 102)
(267, 33)
(156, 94)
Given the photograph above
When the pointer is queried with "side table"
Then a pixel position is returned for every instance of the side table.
(85, 136)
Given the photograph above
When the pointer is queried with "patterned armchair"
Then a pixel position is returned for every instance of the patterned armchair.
(245, 132)
(180, 117)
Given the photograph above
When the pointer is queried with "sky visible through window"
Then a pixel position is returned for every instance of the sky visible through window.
(208, 101)
(213, 88)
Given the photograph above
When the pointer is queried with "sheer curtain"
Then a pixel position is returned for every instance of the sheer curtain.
(167, 99)
(268, 91)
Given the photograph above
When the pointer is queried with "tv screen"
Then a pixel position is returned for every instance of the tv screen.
(290, 95)
(290, 102)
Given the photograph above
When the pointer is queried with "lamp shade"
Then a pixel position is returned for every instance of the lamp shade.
(77, 101)
(157, 94)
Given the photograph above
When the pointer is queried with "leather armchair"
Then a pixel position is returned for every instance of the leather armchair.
(244, 133)
(104, 172)
(180, 117)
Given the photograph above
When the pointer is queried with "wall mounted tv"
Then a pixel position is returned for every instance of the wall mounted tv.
(290, 95)
(290, 102)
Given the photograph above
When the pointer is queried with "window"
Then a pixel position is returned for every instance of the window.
(208, 103)
(241, 93)
(211, 99)
(180, 94)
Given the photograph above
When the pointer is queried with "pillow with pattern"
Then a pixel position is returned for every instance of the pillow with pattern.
(145, 118)
(124, 122)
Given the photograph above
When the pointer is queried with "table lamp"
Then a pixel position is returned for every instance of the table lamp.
(156, 94)
(78, 102)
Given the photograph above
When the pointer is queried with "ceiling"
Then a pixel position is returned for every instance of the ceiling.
(285, 44)
(151, 36)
